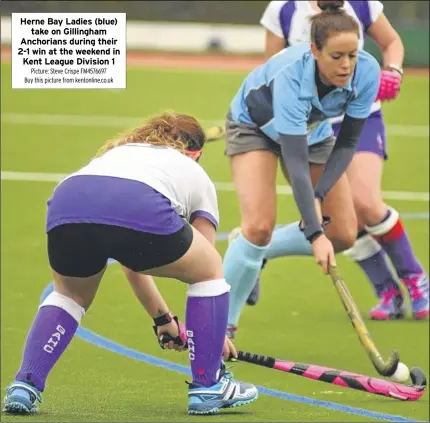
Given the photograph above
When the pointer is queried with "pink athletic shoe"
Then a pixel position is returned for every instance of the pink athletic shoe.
(418, 288)
(390, 307)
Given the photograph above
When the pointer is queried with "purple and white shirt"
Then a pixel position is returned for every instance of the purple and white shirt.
(174, 175)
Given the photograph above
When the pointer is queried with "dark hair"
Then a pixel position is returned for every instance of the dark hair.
(332, 19)
(330, 5)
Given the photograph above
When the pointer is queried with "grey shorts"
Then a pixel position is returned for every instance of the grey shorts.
(243, 138)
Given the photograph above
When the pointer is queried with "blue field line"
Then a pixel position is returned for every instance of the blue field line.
(107, 344)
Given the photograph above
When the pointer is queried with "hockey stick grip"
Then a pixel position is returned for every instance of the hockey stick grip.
(260, 360)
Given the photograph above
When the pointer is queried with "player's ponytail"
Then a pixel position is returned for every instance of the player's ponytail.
(330, 5)
(332, 19)
(179, 131)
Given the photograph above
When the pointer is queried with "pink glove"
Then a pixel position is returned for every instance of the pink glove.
(389, 86)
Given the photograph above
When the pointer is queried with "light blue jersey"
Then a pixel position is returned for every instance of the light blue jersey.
(281, 97)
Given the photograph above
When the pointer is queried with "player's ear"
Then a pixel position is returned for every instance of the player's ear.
(315, 52)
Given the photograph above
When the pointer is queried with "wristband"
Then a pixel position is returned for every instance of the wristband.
(326, 220)
(163, 320)
(311, 238)
(396, 68)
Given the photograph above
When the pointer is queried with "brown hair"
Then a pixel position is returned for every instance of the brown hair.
(179, 131)
(332, 19)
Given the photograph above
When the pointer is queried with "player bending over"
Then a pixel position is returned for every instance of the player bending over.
(381, 234)
(145, 202)
(282, 110)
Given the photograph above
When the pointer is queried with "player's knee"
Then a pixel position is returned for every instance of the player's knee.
(259, 233)
(217, 265)
(213, 268)
(343, 238)
(370, 210)
(83, 298)
(345, 242)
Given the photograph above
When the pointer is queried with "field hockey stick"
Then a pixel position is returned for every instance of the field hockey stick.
(215, 133)
(384, 368)
(343, 378)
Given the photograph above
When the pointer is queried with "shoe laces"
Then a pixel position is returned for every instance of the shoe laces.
(389, 295)
(225, 372)
(417, 286)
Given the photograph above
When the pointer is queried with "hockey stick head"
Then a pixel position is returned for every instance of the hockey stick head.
(418, 378)
(387, 368)
(215, 133)
(384, 367)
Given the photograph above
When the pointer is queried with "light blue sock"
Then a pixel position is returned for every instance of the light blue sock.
(242, 264)
(288, 241)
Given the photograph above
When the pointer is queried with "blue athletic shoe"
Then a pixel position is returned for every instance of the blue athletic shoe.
(226, 393)
(20, 398)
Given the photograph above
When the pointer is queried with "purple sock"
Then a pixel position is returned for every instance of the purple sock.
(51, 332)
(394, 240)
(378, 272)
(206, 322)
(368, 254)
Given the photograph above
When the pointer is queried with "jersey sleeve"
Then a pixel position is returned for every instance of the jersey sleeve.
(375, 9)
(271, 18)
(290, 112)
(367, 11)
(204, 201)
(367, 90)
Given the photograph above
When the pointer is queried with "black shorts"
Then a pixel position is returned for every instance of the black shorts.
(83, 249)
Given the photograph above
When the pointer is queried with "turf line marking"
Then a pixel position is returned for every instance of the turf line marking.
(109, 345)
(223, 236)
(220, 186)
(421, 131)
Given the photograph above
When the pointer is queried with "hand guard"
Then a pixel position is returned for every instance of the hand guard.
(389, 86)
(166, 337)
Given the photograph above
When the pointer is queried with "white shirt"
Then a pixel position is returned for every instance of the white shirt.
(174, 175)
(290, 19)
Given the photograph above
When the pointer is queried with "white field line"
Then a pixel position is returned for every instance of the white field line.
(221, 186)
(118, 122)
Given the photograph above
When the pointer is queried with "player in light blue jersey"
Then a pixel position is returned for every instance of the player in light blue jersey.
(381, 235)
(282, 110)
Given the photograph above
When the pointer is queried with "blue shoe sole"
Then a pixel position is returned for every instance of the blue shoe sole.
(195, 412)
(17, 406)
(240, 403)
(208, 409)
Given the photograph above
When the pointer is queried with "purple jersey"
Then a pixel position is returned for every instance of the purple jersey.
(290, 19)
